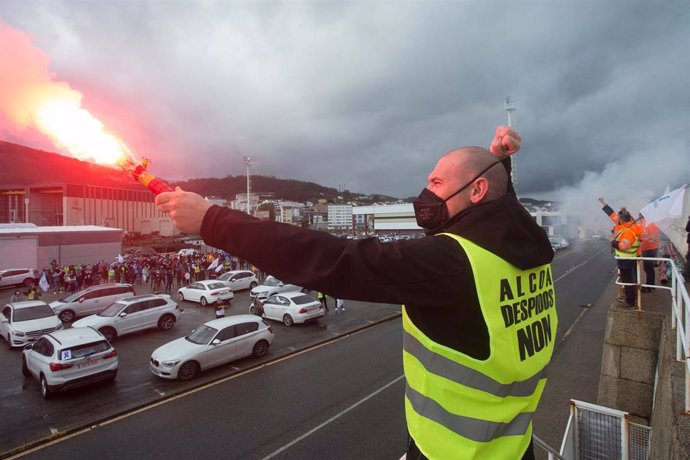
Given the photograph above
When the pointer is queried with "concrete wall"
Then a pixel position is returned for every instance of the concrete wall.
(629, 362)
(639, 375)
(671, 435)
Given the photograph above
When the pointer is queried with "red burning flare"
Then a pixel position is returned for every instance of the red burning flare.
(30, 98)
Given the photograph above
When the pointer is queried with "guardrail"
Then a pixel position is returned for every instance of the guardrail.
(680, 311)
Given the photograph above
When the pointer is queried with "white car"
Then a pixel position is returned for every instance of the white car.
(134, 314)
(206, 292)
(239, 279)
(18, 276)
(24, 322)
(213, 343)
(290, 308)
(272, 285)
(69, 358)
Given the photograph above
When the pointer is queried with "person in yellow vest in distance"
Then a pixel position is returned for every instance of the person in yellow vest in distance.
(34, 294)
(479, 312)
(625, 243)
(323, 299)
(649, 247)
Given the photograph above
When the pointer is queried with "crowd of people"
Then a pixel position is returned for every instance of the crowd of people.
(162, 272)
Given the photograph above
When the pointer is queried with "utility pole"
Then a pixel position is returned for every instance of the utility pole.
(511, 107)
(248, 163)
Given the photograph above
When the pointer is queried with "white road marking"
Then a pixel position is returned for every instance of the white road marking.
(162, 393)
(572, 269)
(236, 368)
(125, 390)
(53, 430)
(335, 417)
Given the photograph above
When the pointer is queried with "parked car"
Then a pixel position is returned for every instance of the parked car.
(24, 322)
(206, 292)
(289, 307)
(213, 343)
(239, 279)
(91, 300)
(69, 358)
(18, 276)
(271, 286)
(134, 314)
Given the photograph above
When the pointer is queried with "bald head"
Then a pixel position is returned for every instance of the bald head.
(467, 162)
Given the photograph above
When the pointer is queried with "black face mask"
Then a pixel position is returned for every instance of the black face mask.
(431, 211)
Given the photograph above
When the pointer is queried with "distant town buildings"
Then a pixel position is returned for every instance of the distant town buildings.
(132, 209)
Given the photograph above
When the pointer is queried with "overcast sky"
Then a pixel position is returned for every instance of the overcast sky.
(367, 95)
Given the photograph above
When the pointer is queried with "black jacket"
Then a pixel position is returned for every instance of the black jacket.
(431, 275)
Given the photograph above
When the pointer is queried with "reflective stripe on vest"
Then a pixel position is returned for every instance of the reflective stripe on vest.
(461, 407)
(632, 250)
(471, 428)
(452, 370)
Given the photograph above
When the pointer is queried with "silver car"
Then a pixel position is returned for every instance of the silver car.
(239, 279)
(271, 286)
(91, 300)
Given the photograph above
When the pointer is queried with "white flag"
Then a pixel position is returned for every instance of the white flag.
(219, 268)
(44, 283)
(120, 258)
(669, 206)
(214, 264)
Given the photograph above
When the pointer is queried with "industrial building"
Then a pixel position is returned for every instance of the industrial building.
(77, 193)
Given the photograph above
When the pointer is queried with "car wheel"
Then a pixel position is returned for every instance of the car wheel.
(260, 349)
(25, 368)
(109, 333)
(29, 282)
(166, 322)
(287, 320)
(45, 389)
(203, 301)
(180, 296)
(67, 316)
(188, 370)
(253, 285)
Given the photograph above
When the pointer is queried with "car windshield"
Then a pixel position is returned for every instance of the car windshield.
(112, 310)
(85, 350)
(225, 276)
(271, 281)
(202, 335)
(35, 312)
(302, 299)
(216, 285)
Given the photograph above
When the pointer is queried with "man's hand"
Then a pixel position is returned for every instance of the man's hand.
(506, 142)
(186, 209)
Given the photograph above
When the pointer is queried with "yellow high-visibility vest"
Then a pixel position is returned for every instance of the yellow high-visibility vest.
(460, 407)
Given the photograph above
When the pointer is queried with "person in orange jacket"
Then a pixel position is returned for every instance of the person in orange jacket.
(649, 247)
(625, 243)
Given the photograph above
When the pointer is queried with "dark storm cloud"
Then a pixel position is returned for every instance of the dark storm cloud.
(367, 95)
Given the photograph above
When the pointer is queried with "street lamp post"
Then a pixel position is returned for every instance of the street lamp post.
(248, 163)
(511, 107)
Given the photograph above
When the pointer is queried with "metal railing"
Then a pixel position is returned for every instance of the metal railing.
(680, 311)
(596, 432)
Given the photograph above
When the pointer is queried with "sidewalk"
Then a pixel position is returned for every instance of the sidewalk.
(574, 371)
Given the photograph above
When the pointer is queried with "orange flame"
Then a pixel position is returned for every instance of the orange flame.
(80, 133)
(30, 97)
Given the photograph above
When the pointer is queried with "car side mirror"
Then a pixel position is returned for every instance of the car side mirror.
(215, 342)
(122, 315)
(81, 299)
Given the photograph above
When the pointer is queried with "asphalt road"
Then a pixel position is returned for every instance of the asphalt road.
(342, 399)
